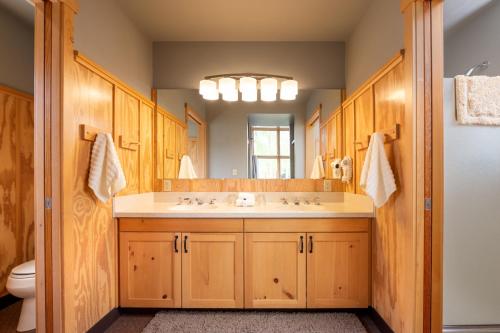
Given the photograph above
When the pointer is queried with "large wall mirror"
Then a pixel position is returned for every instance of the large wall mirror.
(255, 140)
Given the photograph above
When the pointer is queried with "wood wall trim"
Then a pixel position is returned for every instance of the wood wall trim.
(393, 62)
(17, 93)
(315, 116)
(170, 115)
(246, 185)
(99, 70)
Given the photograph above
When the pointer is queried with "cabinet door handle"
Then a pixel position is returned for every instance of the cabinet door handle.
(175, 244)
(310, 244)
(185, 244)
(301, 244)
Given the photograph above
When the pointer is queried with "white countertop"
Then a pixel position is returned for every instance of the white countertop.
(164, 205)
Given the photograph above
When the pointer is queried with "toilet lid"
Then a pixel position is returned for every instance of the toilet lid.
(27, 268)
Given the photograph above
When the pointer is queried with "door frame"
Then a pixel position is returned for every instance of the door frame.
(424, 49)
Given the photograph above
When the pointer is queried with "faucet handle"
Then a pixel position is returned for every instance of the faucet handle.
(212, 201)
(284, 201)
(316, 201)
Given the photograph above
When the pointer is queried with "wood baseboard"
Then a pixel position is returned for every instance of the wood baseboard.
(105, 322)
(7, 300)
(471, 328)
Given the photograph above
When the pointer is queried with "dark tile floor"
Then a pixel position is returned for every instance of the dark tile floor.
(130, 323)
(9, 317)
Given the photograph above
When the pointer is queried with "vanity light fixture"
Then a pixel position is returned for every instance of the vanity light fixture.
(248, 84)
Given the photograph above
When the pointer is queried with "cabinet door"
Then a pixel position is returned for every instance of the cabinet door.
(337, 270)
(150, 269)
(275, 270)
(212, 270)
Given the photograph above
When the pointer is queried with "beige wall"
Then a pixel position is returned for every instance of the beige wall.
(376, 38)
(108, 37)
(17, 52)
(316, 65)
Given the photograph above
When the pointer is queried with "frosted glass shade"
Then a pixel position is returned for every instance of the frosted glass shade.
(230, 96)
(249, 96)
(289, 90)
(211, 95)
(227, 85)
(207, 86)
(268, 89)
(248, 85)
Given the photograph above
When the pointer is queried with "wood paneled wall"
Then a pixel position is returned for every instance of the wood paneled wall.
(247, 185)
(16, 181)
(377, 105)
(94, 97)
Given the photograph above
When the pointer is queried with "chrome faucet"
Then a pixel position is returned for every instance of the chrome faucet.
(284, 201)
(316, 201)
(188, 201)
(212, 201)
(199, 202)
(296, 202)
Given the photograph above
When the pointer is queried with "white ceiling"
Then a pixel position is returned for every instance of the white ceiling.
(457, 11)
(245, 20)
(23, 9)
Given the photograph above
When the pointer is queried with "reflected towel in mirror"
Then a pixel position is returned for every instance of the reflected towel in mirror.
(318, 172)
(186, 170)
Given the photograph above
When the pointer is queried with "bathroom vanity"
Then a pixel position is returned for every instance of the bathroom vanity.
(203, 252)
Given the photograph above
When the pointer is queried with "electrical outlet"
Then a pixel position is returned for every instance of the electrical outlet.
(235, 172)
(167, 185)
(327, 185)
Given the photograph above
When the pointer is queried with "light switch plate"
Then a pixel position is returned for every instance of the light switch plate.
(327, 185)
(167, 185)
(235, 172)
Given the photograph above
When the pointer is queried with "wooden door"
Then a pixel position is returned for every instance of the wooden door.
(150, 269)
(212, 270)
(364, 120)
(170, 156)
(127, 138)
(275, 270)
(337, 270)
(146, 148)
(349, 146)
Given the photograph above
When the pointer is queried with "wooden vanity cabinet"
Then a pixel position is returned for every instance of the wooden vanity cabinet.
(337, 270)
(150, 269)
(275, 270)
(212, 270)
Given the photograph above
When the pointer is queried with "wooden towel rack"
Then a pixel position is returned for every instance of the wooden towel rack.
(390, 135)
(89, 133)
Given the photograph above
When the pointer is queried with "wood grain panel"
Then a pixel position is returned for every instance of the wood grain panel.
(307, 225)
(338, 270)
(212, 270)
(393, 232)
(275, 270)
(349, 146)
(90, 237)
(181, 225)
(142, 256)
(146, 171)
(126, 125)
(159, 147)
(364, 120)
(169, 145)
(16, 181)
(248, 185)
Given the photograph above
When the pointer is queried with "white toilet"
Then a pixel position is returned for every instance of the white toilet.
(21, 283)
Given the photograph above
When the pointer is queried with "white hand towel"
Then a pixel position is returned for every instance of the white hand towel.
(346, 165)
(377, 179)
(106, 176)
(336, 167)
(186, 170)
(318, 171)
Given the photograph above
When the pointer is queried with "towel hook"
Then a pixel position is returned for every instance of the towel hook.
(485, 64)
